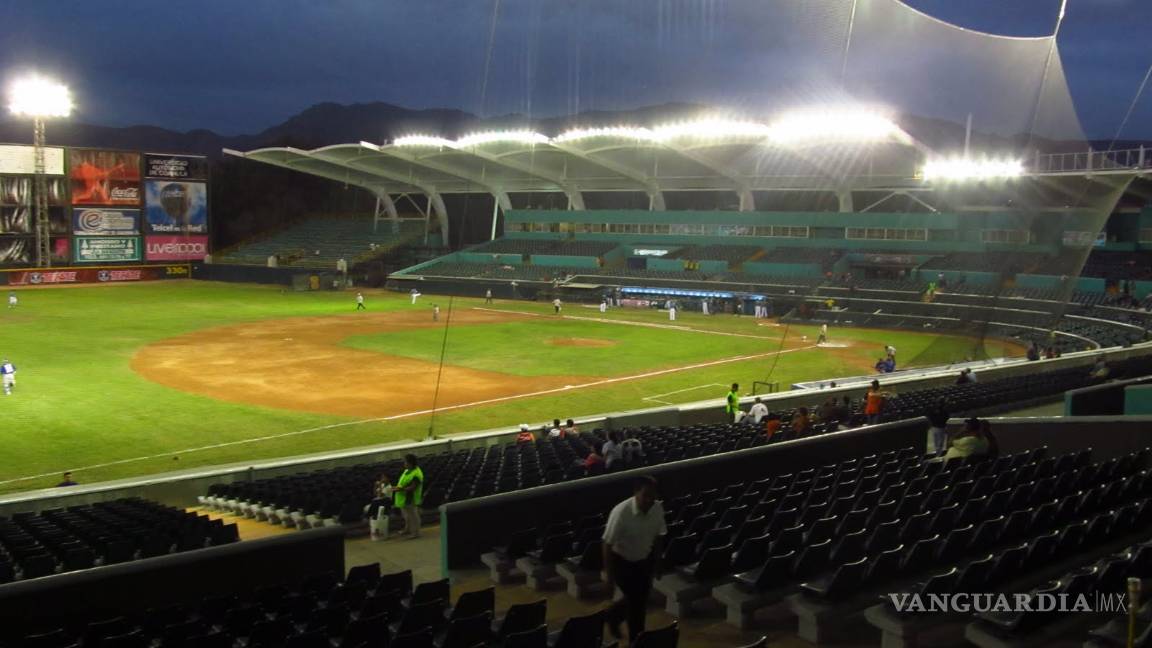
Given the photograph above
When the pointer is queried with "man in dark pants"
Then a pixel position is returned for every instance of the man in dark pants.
(630, 548)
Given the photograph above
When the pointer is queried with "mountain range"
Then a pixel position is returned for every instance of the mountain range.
(331, 123)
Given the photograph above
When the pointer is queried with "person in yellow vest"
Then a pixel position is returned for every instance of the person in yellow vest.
(409, 493)
(732, 406)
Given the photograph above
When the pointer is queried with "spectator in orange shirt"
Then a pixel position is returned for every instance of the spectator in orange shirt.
(874, 403)
(772, 425)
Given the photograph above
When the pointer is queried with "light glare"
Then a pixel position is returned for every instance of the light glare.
(626, 132)
(969, 169)
(832, 125)
(38, 97)
(423, 140)
(515, 137)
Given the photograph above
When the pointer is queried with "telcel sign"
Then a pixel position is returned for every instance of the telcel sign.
(649, 252)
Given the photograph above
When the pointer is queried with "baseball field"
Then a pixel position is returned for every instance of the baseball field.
(124, 380)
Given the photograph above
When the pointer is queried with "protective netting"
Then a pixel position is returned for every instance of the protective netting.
(761, 56)
(1012, 262)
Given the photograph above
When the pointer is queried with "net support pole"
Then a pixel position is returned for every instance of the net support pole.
(967, 136)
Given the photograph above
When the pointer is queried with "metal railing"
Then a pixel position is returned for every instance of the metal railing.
(1086, 161)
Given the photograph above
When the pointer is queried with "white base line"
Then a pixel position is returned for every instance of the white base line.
(658, 397)
(604, 320)
(489, 401)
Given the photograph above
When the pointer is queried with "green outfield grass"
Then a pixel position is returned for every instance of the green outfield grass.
(79, 403)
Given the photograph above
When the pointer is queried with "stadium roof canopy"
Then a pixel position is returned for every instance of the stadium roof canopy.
(861, 149)
(838, 153)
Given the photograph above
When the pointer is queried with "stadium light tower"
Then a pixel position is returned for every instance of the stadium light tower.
(40, 99)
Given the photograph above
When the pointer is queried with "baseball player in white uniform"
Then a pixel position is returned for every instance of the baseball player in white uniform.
(12, 301)
(8, 374)
(415, 293)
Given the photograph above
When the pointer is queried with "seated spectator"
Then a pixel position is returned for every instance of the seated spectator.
(772, 425)
(801, 422)
(632, 449)
(965, 377)
(612, 452)
(555, 432)
(594, 463)
(826, 413)
(525, 435)
(969, 442)
(1033, 352)
(380, 508)
(67, 481)
(758, 411)
(569, 428)
(839, 414)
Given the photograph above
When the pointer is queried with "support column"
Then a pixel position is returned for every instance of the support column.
(747, 200)
(500, 201)
(656, 201)
(384, 200)
(575, 200)
(441, 214)
(844, 196)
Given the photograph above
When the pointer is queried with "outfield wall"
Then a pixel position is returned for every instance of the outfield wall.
(67, 275)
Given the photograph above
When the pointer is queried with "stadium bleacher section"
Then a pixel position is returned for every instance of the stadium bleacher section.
(33, 545)
(362, 608)
(348, 238)
(339, 496)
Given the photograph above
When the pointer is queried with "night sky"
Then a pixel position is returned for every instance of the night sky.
(240, 67)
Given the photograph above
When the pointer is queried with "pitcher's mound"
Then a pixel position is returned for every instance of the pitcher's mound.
(581, 342)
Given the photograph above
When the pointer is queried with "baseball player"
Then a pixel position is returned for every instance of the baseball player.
(360, 301)
(12, 299)
(435, 312)
(8, 375)
(823, 334)
(415, 293)
(556, 305)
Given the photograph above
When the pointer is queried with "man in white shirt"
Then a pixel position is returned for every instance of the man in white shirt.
(612, 451)
(823, 334)
(556, 305)
(630, 549)
(758, 411)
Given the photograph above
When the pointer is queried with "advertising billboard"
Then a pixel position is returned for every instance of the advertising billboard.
(105, 221)
(106, 249)
(176, 207)
(175, 248)
(17, 159)
(104, 177)
(17, 190)
(15, 251)
(94, 275)
(15, 220)
(175, 167)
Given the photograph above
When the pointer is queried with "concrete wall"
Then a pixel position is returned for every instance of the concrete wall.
(130, 588)
(1138, 400)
